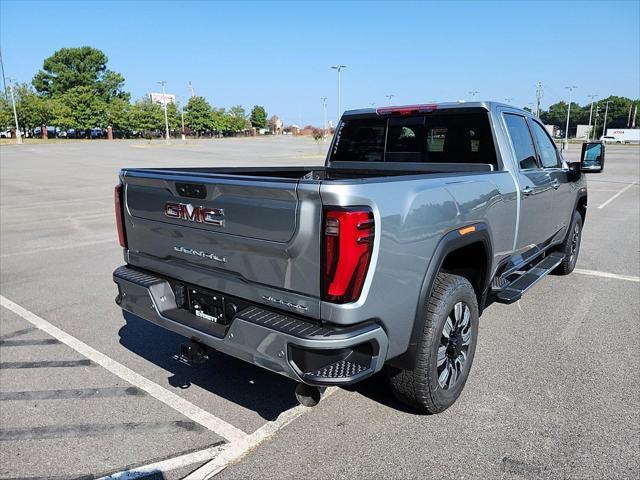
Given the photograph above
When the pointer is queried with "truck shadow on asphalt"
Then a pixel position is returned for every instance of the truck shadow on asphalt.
(266, 393)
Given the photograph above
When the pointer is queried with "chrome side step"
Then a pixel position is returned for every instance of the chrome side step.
(519, 283)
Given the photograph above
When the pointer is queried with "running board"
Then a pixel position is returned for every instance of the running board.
(513, 291)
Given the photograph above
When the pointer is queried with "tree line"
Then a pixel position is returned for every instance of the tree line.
(76, 90)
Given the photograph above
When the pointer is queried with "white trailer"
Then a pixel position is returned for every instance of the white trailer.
(627, 135)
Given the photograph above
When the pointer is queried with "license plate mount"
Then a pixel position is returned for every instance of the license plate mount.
(206, 305)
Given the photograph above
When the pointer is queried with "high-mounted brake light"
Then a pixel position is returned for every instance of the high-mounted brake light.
(347, 247)
(407, 109)
(117, 195)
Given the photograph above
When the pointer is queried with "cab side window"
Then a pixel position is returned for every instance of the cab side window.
(546, 147)
(522, 142)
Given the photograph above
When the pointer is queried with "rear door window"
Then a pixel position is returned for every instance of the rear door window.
(521, 140)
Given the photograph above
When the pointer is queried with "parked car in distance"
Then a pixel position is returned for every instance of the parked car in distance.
(421, 217)
(610, 139)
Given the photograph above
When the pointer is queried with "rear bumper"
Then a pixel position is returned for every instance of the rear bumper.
(303, 350)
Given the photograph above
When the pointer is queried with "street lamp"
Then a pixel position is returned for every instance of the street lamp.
(164, 102)
(604, 124)
(15, 113)
(473, 93)
(324, 118)
(339, 69)
(592, 97)
(389, 97)
(566, 131)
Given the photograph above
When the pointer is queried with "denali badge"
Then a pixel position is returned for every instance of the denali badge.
(278, 301)
(198, 253)
(186, 211)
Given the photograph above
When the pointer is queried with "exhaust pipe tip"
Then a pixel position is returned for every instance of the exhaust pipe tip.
(308, 395)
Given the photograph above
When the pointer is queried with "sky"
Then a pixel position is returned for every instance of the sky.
(278, 54)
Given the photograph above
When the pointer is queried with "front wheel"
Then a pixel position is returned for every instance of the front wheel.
(570, 247)
(445, 350)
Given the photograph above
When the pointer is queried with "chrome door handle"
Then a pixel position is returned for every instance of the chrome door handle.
(526, 191)
(555, 184)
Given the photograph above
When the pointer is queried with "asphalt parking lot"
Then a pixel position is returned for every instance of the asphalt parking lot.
(86, 391)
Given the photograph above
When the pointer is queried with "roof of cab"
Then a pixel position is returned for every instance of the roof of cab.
(487, 105)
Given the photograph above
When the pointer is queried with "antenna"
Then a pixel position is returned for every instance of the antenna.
(193, 94)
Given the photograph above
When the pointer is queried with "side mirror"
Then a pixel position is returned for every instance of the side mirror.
(592, 158)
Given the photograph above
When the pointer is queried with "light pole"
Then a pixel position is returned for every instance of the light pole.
(606, 111)
(339, 69)
(473, 93)
(164, 102)
(324, 118)
(592, 97)
(566, 131)
(389, 97)
(15, 113)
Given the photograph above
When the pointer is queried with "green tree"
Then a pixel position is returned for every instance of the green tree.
(60, 114)
(258, 117)
(237, 119)
(146, 115)
(220, 120)
(118, 114)
(199, 116)
(70, 68)
(557, 115)
(173, 116)
(6, 112)
(88, 110)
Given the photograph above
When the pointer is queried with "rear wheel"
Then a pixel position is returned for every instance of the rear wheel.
(445, 350)
(570, 247)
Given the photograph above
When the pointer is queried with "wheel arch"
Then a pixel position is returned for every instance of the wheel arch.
(452, 254)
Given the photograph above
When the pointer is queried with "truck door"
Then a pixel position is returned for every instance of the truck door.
(535, 186)
(551, 161)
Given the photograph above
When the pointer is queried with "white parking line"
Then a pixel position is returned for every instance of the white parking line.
(179, 404)
(617, 195)
(60, 247)
(234, 451)
(167, 465)
(596, 273)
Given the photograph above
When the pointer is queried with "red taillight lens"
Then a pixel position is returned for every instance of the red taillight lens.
(348, 244)
(118, 203)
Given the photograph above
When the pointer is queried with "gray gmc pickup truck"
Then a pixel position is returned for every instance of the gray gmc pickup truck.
(422, 216)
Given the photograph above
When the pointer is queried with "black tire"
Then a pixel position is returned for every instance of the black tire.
(421, 387)
(570, 247)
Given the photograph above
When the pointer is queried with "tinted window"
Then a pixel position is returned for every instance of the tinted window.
(360, 140)
(546, 147)
(442, 137)
(521, 139)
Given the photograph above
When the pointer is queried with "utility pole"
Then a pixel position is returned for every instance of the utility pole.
(606, 111)
(15, 113)
(635, 113)
(539, 95)
(4, 81)
(629, 118)
(166, 117)
(193, 94)
(590, 114)
(473, 93)
(389, 97)
(595, 119)
(324, 118)
(566, 131)
(339, 69)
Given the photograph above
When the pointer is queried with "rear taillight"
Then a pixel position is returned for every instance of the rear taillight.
(347, 247)
(118, 204)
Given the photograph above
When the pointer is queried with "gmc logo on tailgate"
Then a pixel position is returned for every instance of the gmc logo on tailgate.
(186, 211)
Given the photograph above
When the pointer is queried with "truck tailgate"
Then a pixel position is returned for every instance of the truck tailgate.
(259, 230)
